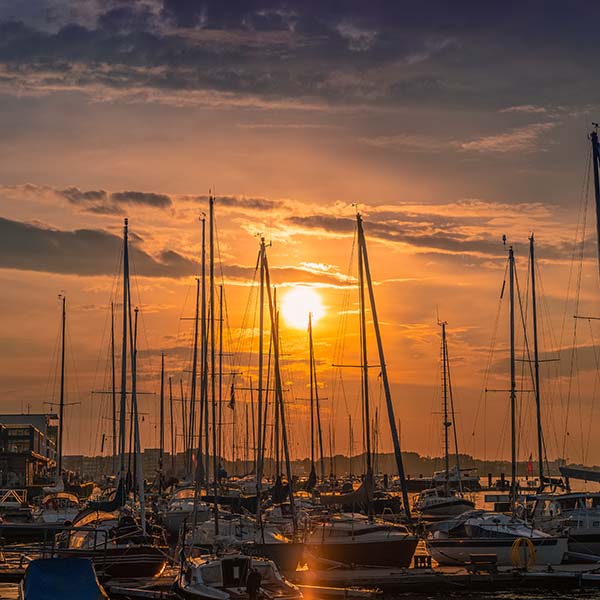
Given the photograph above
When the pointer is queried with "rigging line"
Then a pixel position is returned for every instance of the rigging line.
(574, 340)
(592, 405)
(546, 329)
(526, 349)
(486, 375)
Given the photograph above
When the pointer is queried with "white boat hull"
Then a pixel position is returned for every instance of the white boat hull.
(458, 551)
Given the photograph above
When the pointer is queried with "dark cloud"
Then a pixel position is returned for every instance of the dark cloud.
(75, 195)
(100, 202)
(146, 198)
(243, 202)
(81, 252)
(474, 54)
(433, 233)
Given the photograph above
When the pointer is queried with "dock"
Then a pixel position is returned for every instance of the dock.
(452, 578)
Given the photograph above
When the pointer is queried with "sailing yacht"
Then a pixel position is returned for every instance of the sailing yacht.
(351, 538)
(444, 499)
(452, 542)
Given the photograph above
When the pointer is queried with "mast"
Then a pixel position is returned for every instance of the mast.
(364, 358)
(312, 397)
(453, 417)
(315, 387)
(447, 423)
(139, 473)
(113, 387)
(123, 404)
(274, 314)
(161, 436)
(173, 433)
(595, 165)
(212, 355)
(192, 413)
(220, 385)
(513, 383)
(384, 375)
(61, 408)
(261, 320)
(536, 364)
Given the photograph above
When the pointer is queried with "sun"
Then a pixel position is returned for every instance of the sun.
(296, 305)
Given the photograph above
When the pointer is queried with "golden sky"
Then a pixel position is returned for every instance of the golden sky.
(445, 133)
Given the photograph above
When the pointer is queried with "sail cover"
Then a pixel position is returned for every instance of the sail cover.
(582, 474)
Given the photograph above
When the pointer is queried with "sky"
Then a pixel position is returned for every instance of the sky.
(446, 125)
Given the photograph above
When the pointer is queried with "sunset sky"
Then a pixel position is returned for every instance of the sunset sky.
(447, 124)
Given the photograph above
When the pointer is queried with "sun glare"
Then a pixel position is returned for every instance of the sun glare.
(296, 305)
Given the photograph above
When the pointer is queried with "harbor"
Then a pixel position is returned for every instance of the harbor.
(299, 300)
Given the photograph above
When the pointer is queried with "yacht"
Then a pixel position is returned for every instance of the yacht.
(441, 502)
(452, 542)
(353, 539)
(229, 577)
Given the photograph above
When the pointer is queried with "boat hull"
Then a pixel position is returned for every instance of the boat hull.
(451, 508)
(124, 562)
(458, 551)
(382, 553)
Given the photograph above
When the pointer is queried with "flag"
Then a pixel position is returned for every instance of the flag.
(530, 466)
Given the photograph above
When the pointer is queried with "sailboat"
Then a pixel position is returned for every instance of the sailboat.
(454, 541)
(576, 513)
(446, 499)
(118, 538)
(352, 538)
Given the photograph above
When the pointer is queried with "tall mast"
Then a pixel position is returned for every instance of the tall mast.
(595, 166)
(384, 375)
(536, 364)
(261, 320)
(220, 385)
(173, 434)
(161, 436)
(312, 396)
(453, 417)
(139, 473)
(315, 387)
(113, 387)
(184, 425)
(61, 408)
(212, 356)
(274, 314)
(192, 412)
(364, 358)
(513, 383)
(445, 394)
(123, 405)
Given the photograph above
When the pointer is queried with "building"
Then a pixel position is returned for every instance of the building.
(26, 456)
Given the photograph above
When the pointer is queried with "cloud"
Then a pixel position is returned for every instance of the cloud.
(290, 52)
(85, 252)
(144, 198)
(525, 108)
(521, 139)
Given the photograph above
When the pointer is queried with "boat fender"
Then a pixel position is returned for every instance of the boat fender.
(519, 560)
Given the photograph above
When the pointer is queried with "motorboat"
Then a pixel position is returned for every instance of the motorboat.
(232, 576)
(441, 502)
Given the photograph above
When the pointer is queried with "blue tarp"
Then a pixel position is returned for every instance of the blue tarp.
(62, 579)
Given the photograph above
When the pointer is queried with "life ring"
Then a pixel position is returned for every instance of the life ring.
(516, 556)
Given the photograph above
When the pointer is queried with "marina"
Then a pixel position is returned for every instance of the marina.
(299, 300)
